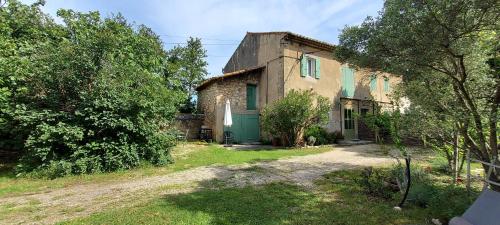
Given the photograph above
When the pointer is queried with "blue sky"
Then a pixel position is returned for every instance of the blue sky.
(221, 24)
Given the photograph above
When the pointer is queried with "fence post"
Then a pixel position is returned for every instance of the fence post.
(468, 171)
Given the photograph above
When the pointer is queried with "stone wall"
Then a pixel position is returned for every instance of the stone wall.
(190, 123)
(207, 102)
(212, 100)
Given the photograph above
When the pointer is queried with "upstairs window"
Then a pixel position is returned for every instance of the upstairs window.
(310, 67)
(387, 87)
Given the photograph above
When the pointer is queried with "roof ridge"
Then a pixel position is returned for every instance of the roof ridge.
(297, 36)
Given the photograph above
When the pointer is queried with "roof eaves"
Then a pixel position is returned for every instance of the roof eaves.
(209, 81)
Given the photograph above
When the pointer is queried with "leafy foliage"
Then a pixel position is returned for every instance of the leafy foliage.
(379, 123)
(290, 116)
(322, 137)
(426, 192)
(447, 52)
(187, 67)
(86, 96)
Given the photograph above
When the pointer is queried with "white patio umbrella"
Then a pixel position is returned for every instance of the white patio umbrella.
(228, 119)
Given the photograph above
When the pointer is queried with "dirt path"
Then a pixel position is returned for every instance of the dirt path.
(76, 201)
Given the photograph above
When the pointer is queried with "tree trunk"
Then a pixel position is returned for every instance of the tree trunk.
(462, 162)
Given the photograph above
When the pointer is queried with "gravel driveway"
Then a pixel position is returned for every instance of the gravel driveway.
(81, 200)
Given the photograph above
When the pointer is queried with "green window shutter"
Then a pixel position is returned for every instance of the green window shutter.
(386, 84)
(317, 68)
(373, 82)
(347, 82)
(344, 81)
(251, 97)
(303, 66)
(351, 85)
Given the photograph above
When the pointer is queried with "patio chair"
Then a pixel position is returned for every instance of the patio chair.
(484, 211)
(228, 138)
(182, 136)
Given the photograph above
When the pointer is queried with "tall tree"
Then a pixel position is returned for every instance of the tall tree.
(187, 67)
(449, 48)
(83, 96)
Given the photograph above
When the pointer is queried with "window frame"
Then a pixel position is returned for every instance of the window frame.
(311, 67)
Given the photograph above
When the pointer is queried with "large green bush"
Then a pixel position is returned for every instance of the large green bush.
(85, 96)
(290, 116)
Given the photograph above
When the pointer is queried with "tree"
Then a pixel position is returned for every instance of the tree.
(187, 67)
(448, 47)
(88, 95)
(22, 29)
(290, 116)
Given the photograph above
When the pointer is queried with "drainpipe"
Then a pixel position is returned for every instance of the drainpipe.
(267, 81)
(340, 105)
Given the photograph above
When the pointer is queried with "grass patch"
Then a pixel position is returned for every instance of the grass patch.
(338, 199)
(337, 202)
(186, 156)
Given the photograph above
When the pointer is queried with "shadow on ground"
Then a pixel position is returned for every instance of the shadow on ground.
(335, 201)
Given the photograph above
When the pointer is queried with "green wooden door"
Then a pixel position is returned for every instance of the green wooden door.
(245, 128)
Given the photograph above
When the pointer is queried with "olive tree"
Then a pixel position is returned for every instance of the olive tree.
(450, 49)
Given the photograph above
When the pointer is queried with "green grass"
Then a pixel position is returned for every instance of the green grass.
(186, 156)
(338, 198)
(216, 155)
(337, 201)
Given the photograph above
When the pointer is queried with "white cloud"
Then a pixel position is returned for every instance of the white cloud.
(231, 19)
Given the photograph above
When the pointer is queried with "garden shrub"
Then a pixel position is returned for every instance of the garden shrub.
(378, 123)
(311, 140)
(443, 201)
(318, 132)
(289, 117)
(91, 98)
(377, 183)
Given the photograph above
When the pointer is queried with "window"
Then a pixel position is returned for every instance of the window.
(348, 119)
(251, 97)
(387, 88)
(347, 81)
(310, 67)
(373, 82)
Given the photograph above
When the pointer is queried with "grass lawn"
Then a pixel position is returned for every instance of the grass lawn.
(186, 156)
(338, 199)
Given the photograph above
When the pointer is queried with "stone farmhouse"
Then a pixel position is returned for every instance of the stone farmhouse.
(267, 65)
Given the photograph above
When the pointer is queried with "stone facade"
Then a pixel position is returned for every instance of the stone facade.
(279, 54)
(212, 100)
